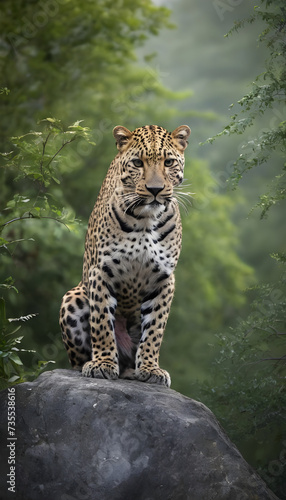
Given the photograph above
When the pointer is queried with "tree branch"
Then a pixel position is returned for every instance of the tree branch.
(31, 216)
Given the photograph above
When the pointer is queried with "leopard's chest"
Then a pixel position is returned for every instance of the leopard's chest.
(140, 255)
(134, 255)
(135, 266)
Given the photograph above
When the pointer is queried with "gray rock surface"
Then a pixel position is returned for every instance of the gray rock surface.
(88, 439)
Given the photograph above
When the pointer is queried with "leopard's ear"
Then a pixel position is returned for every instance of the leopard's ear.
(122, 136)
(181, 135)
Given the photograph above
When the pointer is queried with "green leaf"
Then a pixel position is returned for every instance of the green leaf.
(15, 331)
(3, 243)
(8, 155)
(57, 181)
(15, 358)
(14, 379)
(53, 124)
(4, 90)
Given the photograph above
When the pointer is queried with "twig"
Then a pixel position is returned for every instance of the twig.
(43, 152)
(31, 216)
(273, 359)
(283, 358)
(62, 146)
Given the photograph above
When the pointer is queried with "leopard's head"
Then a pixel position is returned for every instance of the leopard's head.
(151, 165)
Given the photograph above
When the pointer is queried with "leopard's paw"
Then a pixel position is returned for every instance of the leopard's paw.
(153, 376)
(101, 369)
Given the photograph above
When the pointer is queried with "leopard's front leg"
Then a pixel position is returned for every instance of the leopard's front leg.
(104, 358)
(154, 314)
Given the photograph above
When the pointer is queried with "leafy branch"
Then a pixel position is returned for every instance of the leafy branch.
(268, 92)
(12, 369)
(36, 159)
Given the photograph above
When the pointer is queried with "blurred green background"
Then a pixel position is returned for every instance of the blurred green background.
(131, 63)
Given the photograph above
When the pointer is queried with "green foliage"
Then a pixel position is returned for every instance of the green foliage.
(12, 369)
(248, 378)
(70, 59)
(247, 392)
(267, 93)
(36, 159)
(4, 90)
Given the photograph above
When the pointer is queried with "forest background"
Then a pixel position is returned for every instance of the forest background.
(133, 63)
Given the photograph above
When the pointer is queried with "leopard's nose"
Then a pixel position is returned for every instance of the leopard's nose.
(154, 190)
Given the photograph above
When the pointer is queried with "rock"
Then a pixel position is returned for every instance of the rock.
(90, 439)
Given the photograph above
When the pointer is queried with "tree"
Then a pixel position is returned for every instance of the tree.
(35, 161)
(247, 393)
(267, 94)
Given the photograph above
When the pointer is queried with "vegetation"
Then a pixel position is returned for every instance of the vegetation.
(268, 92)
(248, 394)
(34, 160)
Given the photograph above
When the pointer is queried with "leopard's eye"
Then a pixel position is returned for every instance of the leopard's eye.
(137, 162)
(169, 162)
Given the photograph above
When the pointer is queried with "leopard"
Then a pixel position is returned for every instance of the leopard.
(114, 320)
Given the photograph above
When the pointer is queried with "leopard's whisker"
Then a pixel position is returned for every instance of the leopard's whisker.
(133, 203)
(184, 199)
